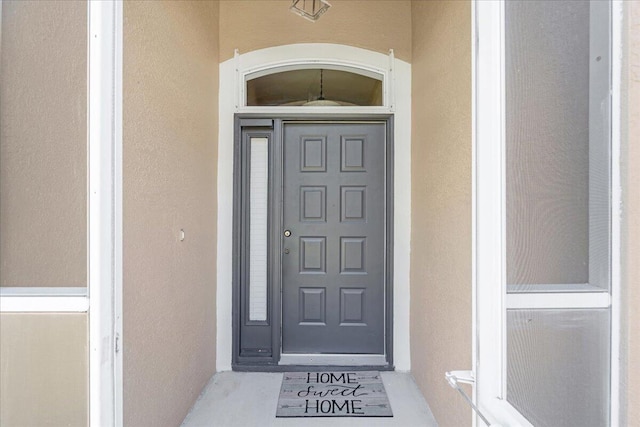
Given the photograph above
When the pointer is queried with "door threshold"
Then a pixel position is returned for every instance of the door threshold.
(333, 359)
(309, 368)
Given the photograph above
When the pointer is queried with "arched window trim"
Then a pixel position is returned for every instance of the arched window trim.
(246, 71)
(367, 72)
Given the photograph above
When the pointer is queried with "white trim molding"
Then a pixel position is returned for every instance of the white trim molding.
(558, 300)
(333, 359)
(488, 270)
(617, 31)
(44, 300)
(314, 55)
(105, 211)
(396, 75)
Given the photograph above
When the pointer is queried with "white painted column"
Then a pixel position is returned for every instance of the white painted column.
(105, 212)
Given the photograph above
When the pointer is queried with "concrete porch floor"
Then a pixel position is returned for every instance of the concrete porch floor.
(249, 399)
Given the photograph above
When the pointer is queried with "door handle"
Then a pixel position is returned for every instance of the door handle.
(287, 233)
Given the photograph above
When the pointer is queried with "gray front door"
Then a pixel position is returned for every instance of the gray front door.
(333, 262)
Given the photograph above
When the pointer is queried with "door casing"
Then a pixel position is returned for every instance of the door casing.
(261, 124)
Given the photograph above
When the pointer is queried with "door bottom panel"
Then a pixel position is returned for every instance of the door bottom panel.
(333, 359)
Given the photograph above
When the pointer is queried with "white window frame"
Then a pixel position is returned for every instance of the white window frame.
(101, 299)
(489, 282)
(306, 64)
(302, 56)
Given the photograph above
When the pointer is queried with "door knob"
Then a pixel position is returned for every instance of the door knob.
(287, 233)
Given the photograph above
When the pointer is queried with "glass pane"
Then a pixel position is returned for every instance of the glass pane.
(43, 139)
(314, 87)
(258, 212)
(558, 366)
(557, 144)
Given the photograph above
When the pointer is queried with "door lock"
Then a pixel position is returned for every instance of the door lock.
(286, 250)
(287, 233)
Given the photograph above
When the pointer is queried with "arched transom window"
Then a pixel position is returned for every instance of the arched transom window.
(318, 86)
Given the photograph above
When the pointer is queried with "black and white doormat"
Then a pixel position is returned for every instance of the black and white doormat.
(333, 394)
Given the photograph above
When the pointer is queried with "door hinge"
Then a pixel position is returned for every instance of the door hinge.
(117, 343)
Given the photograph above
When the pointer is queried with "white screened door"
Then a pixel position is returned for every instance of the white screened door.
(543, 212)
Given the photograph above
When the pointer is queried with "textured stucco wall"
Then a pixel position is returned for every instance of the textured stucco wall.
(43, 369)
(43, 138)
(441, 203)
(170, 149)
(375, 25)
(631, 219)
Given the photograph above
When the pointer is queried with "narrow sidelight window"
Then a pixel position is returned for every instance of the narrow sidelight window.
(258, 214)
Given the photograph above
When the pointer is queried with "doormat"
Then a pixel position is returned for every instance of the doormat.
(333, 394)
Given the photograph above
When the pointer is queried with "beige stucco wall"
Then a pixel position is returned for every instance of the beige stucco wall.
(43, 369)
(171, 57)
(170, 148)
(631, 220)
(43, 136)
(441, 203)
(375, 25)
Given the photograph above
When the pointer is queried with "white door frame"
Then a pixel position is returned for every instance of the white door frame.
(397, 100)
(490, 298)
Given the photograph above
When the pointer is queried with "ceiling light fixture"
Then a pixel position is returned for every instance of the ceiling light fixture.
(320, 101)
(309, 9)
